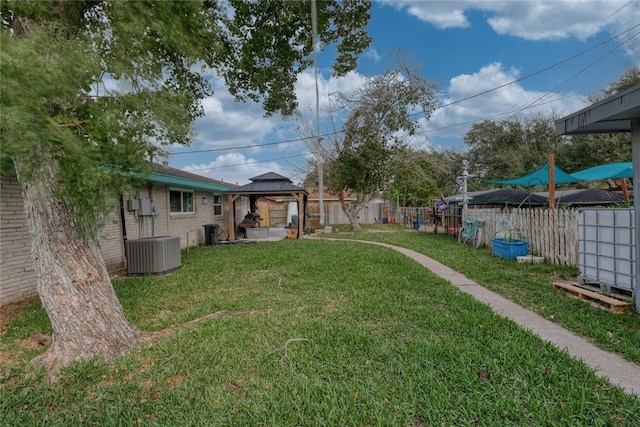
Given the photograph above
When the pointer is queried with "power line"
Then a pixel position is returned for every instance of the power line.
(249, 163)
(507, 113)
(535, 73)
(530, 105)
(417, 133)
(573, 76)
(240, 147)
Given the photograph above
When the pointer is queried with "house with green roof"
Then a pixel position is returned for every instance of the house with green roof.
(172, 202)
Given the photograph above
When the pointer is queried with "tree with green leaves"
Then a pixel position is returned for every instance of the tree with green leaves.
(629, 78)
(447, 164)
(585, 151)
(510, 148)
(379, 116)
(414, 180)
(494, 148)
(74, 139)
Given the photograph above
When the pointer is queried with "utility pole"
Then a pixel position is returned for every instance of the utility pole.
(314, 30)
(462, 181)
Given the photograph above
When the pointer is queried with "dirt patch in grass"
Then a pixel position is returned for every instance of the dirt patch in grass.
(334, 305)
(9, 358)
(12, 311)
(11, 352)
(175, 381)
(13, 356)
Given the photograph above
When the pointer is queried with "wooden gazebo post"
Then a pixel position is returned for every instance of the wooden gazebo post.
(301, 208)
(232, 215)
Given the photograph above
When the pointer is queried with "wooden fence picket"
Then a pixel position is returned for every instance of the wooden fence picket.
(551, 233)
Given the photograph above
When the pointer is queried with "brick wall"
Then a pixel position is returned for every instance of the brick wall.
(172, 224)
(111, 241)
(17, 276)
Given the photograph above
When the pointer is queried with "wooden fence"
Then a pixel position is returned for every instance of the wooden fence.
(552, 234)
(333, 213)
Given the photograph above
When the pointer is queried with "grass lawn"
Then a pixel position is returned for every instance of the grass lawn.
(529, 285)
(316, 332)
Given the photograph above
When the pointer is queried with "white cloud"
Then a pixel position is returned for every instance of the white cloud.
(236, 168)
(306, 89)
(532, 20)
(554, 20)
(372, 54)
(510, 102)
(441, 14)
(228, 123)
(232, 124)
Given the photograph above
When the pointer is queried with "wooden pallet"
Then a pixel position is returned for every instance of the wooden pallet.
(615, 305)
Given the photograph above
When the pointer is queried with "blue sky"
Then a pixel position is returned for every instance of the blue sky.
(543, 56)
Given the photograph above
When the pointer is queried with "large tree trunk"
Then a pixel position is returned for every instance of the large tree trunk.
(72, 280)
(352, 209)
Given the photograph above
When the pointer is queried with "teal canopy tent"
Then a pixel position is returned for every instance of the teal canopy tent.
(538, 177)
(602, 172)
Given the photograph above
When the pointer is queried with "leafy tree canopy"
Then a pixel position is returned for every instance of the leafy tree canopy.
(507, 149)
(91, 90)
(101, 86)
(629, 78)
(414, 177)
(586, 151)
(379, 117)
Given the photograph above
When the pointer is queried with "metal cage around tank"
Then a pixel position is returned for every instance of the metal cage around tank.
(606, 248)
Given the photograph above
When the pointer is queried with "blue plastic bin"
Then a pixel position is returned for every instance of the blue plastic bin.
(510, 250)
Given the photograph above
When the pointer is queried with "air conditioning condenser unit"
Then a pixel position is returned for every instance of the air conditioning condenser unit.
(153, 255)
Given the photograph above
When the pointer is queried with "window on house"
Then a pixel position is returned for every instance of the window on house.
(181, 201)
(217, 204)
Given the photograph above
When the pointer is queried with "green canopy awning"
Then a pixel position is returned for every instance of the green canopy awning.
(602, 172)
(538, 177)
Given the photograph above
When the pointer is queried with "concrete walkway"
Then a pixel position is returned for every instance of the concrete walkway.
(272, 234)
(608, 365)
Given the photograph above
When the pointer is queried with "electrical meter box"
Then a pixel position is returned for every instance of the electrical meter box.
(133, 205)
(145, 207)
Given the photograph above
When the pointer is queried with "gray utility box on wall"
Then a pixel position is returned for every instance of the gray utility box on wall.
(153, 255)
(607, 248)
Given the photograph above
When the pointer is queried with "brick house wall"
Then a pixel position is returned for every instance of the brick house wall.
(188, 226)
(111, 241)
(17, 276)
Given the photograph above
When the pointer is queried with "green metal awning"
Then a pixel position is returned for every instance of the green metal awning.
(183, 182)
